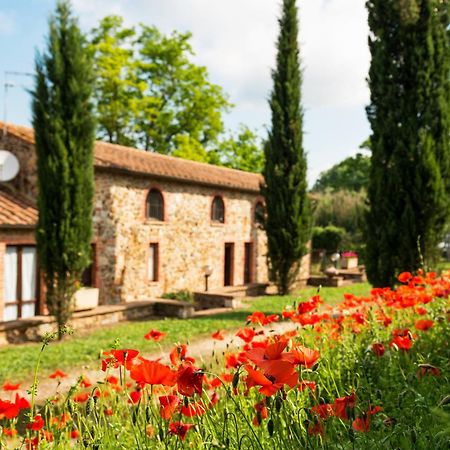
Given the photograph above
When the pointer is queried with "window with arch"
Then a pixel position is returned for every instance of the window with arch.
(155, 205)
(259, 213)
(218, 210)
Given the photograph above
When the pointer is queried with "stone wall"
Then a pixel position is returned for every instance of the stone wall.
(187, 239)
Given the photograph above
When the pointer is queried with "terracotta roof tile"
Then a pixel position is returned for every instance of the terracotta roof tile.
(118, 158)
(15, 210)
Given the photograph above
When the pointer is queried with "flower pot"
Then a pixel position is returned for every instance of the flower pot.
(86, 298)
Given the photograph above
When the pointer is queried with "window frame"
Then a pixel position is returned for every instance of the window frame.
(156, 260)
(211, 216)
(19, 302)
(147, 205)
(259, 201)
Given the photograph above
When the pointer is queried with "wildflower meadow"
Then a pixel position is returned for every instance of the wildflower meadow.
(370, 373)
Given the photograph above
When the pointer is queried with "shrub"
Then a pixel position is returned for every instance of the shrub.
(327, 238)
(182, 295)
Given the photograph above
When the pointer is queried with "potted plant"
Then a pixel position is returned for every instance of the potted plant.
(349, 260)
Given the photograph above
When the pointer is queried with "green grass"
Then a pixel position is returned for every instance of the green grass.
(85, 350)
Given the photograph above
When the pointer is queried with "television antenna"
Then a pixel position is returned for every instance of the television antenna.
(6, 86)
(9, 166)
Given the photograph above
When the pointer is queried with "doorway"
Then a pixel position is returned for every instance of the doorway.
(248, 263)
(228, 264)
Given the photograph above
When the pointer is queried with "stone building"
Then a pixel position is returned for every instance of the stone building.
(160, 224)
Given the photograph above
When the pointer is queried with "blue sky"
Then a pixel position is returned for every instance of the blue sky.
(235, 40)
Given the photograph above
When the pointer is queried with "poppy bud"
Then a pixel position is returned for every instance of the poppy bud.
(134, 415)
(186, 402)
(148, 414)
(70, 406)
(89, 406)
(445, 401)
(270, 427)
(278, 403)
(235, 379)
(161, 434)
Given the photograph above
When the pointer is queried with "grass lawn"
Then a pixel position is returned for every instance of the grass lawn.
(85, 350)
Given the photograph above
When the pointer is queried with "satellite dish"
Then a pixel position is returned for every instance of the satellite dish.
(9, 166)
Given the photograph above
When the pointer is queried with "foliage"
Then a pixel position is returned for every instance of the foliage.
(150, 94)
(410, 119)
(243, 151)
(64, 133)
(373, 369)
(351, 174)
(182, 295)
(345, 210)
(327, 238)
(288, 221)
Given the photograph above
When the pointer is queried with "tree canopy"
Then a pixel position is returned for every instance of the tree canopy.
(288, 220)
(351, 174)
(409, 114)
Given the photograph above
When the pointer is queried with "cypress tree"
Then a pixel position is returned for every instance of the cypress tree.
(64, 134)
(409, 187)
(288, 221)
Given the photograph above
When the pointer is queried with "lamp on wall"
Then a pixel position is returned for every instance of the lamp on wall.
(208, 272)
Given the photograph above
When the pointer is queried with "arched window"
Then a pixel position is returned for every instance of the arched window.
(259, 213)
(155, 205)
(218, 210)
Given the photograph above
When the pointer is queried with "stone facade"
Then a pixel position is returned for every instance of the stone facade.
(187, 239)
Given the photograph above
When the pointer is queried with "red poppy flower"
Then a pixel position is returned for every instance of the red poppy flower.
(378, 349)
(303, 356)
(265, 357)
(218, 335)
(361, 424)
(342, 404)
(424, 324)
(246, 334)
(10, 432)
(405, 277)
(81, 397)
(74, 434)
(10, 410)
(168, 405)
(425, 369)
(305, 384)
(7, 386)
(316, 428)
(111, 379)
(37, 424)
(178, 355)
(193, 409)
(401, 343)
(324, 410)
(57, 374)
(135, 396)
(310, 305)
(152, 372)
(116, 358)
(189, 380)
(155, 335)
(280, 374)
(180, 429)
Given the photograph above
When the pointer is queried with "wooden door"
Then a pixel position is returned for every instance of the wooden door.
(228, 264)
(248, 263)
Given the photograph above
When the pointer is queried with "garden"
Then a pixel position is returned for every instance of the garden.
(370, 371)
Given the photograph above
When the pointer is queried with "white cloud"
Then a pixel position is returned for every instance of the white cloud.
(7, 23)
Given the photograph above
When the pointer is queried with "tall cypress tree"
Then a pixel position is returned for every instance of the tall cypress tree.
(64, 134)
(288, 221)
(409, 188)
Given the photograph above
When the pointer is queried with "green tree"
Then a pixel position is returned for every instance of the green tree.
(288, 221)
(64, 133)
(351, 174)
(409, 114)
(242, 151)
(115, 80)
(150, 94)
